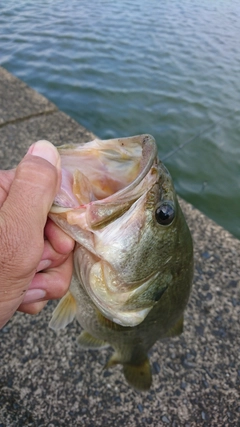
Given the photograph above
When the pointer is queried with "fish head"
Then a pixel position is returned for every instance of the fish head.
(118, 202)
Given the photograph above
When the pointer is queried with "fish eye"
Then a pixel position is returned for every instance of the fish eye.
(165, 213)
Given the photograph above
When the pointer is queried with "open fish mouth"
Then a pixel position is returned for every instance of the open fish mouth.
(102, 204)
(103, 172)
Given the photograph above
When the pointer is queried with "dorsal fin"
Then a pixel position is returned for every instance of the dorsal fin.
(64, 313)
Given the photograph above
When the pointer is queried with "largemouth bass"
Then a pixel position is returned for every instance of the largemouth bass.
(133, 259)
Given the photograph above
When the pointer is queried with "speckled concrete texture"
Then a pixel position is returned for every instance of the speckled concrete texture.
(46, 381)
(18, 100)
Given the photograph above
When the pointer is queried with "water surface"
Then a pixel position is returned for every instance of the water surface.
(169, 68)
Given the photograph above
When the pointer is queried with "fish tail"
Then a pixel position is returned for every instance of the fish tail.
(138, 376)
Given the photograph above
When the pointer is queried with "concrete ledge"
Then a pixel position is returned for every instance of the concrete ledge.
(46, 381)
(18, 100)
(56, 127)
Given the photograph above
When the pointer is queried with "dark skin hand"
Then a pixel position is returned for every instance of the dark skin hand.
(35, 255)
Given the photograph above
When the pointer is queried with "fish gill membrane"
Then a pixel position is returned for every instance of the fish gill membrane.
(133, 258)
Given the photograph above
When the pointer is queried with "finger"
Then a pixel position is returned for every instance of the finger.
(37, 179)
(6, 179)
(22, 219)
(24, 212)
(50, 258)
(60, 241)
(33, 308)
(53, 283)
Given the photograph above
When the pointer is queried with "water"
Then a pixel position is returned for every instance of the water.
(169, 68)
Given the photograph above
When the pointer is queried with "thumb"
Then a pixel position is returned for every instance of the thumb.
(24, 212)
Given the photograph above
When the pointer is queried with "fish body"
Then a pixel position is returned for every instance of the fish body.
(133, 259)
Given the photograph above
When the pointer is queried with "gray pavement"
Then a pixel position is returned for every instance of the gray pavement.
(46, 381)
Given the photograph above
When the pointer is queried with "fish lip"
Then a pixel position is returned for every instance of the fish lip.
(148, 146)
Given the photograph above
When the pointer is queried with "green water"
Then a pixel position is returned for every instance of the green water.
(171, 69)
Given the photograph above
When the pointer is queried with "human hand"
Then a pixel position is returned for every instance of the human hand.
(35, 255)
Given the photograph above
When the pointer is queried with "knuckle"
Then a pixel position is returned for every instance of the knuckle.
(45, 172)
(9, 242)
(16, 258)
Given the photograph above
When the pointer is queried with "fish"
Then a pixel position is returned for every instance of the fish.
(133, 257)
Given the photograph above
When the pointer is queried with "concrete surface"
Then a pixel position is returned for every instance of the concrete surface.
(19, 101)
(46, 381)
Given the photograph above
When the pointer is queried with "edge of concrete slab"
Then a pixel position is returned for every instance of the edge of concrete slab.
(19, 101)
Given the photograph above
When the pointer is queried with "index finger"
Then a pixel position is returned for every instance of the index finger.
(60, 241)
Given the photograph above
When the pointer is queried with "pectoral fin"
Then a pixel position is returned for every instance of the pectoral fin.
(64, 313)
(88, 342)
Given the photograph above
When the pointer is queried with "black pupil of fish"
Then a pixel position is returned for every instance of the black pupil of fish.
(165, 214)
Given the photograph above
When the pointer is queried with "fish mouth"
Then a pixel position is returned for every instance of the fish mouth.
(102, 170)
(121, 170)
(102, 181)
